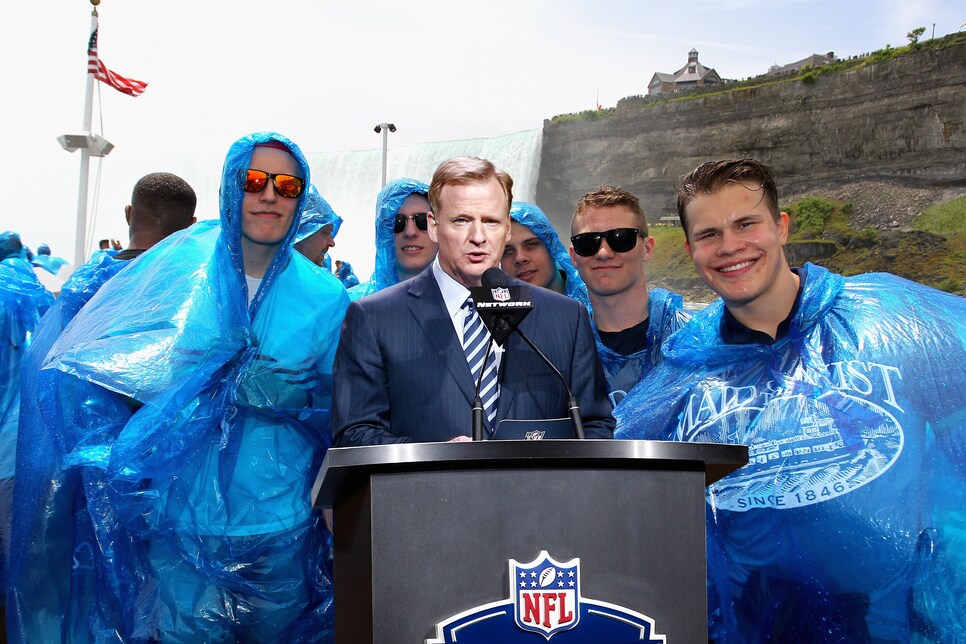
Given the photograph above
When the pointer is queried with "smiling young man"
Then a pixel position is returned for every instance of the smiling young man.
(845, 525)
(401, 373)
(610, 246)
(736, 237)
(527, 256)
(403, 246)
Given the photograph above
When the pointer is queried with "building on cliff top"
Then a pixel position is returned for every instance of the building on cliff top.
(814, 61)
(692, 75)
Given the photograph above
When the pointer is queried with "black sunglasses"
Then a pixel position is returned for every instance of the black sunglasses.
(620, 240)
(419, 219)
(286, 185)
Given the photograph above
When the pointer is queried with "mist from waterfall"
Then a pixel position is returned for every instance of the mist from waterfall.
(351, 180)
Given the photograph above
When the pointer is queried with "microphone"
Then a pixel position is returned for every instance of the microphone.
(503, 317)
(492, 279)
(502, 306)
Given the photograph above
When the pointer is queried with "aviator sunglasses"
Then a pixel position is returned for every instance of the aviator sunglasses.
(620, 240)
(286, 185)
(419, 219)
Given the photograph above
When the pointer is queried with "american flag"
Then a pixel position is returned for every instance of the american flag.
(97, 67)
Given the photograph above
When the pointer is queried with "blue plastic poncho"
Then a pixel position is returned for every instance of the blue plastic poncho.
(317, 215)
(12, 246)
(533, 218)
(388, 203)
(346, 275)
(189, 427)
(43, 259)
(848, 521)
(666, 314)
(23, 301)
(39, 461)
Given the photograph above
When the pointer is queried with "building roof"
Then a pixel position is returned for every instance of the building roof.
(814, 60)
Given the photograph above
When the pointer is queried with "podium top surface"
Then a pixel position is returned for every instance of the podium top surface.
(715, 459)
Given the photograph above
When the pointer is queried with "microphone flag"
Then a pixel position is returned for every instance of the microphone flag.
(502, 306)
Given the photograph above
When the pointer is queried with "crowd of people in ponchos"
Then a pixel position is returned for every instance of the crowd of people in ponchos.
(163, 418)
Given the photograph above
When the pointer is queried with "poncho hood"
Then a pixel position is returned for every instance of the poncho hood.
(388, 203)
(317, 215)
(533, 218)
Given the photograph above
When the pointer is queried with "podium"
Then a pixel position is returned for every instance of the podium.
(424, 532)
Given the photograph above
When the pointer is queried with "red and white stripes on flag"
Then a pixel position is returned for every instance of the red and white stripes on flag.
(97, 67)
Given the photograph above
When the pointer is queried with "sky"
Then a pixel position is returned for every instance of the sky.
(324, 73)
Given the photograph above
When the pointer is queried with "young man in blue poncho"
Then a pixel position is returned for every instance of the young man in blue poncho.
(317, 229)
(847, 523)
(161, 204)
(610, 246)
(536, 256)
(23, 301)
(193, 425)
(403, 246)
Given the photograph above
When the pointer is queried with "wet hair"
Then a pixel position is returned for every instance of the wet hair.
(163, 203)
(605, 195)
(711, 176)
(466, 170)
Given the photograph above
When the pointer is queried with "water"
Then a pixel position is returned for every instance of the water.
(350, 181)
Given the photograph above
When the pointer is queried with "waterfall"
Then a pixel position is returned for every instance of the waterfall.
(350, 181)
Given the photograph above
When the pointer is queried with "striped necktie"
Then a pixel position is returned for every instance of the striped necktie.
(475, 340)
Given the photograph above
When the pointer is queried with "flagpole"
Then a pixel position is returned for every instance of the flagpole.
(87, 142)
(80, 239)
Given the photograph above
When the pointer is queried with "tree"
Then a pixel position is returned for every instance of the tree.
(915, 35)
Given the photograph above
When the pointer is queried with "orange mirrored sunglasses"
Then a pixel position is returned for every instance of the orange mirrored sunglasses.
(286, 185)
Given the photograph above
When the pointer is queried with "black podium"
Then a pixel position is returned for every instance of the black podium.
(427, 531)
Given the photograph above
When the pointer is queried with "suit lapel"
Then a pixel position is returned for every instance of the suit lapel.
(429, 310)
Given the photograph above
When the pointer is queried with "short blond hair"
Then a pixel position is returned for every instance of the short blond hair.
(464, 170)
(603, 196)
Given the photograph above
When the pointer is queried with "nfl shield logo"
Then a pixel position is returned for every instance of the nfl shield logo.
(546, 594)
(500, 294)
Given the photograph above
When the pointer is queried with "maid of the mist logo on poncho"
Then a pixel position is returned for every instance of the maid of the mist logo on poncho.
(806, 443)
(545, 603)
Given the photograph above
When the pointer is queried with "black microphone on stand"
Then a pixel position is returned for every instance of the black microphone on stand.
(502, 307)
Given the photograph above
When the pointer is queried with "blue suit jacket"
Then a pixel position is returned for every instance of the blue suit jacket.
(400, 372)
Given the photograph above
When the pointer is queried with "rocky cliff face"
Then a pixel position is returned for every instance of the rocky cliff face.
(899, 123)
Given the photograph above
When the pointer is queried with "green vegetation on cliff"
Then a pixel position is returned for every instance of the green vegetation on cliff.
(932, 251)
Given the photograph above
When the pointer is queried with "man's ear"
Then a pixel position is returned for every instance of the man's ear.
(127, 214)
(783, 222)
(431, 220)
(687, 247)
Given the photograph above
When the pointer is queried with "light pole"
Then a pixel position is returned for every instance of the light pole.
(385, 128)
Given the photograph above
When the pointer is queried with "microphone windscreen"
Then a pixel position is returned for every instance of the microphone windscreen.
(494, 278)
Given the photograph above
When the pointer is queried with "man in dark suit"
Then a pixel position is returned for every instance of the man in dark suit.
(401, 373)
